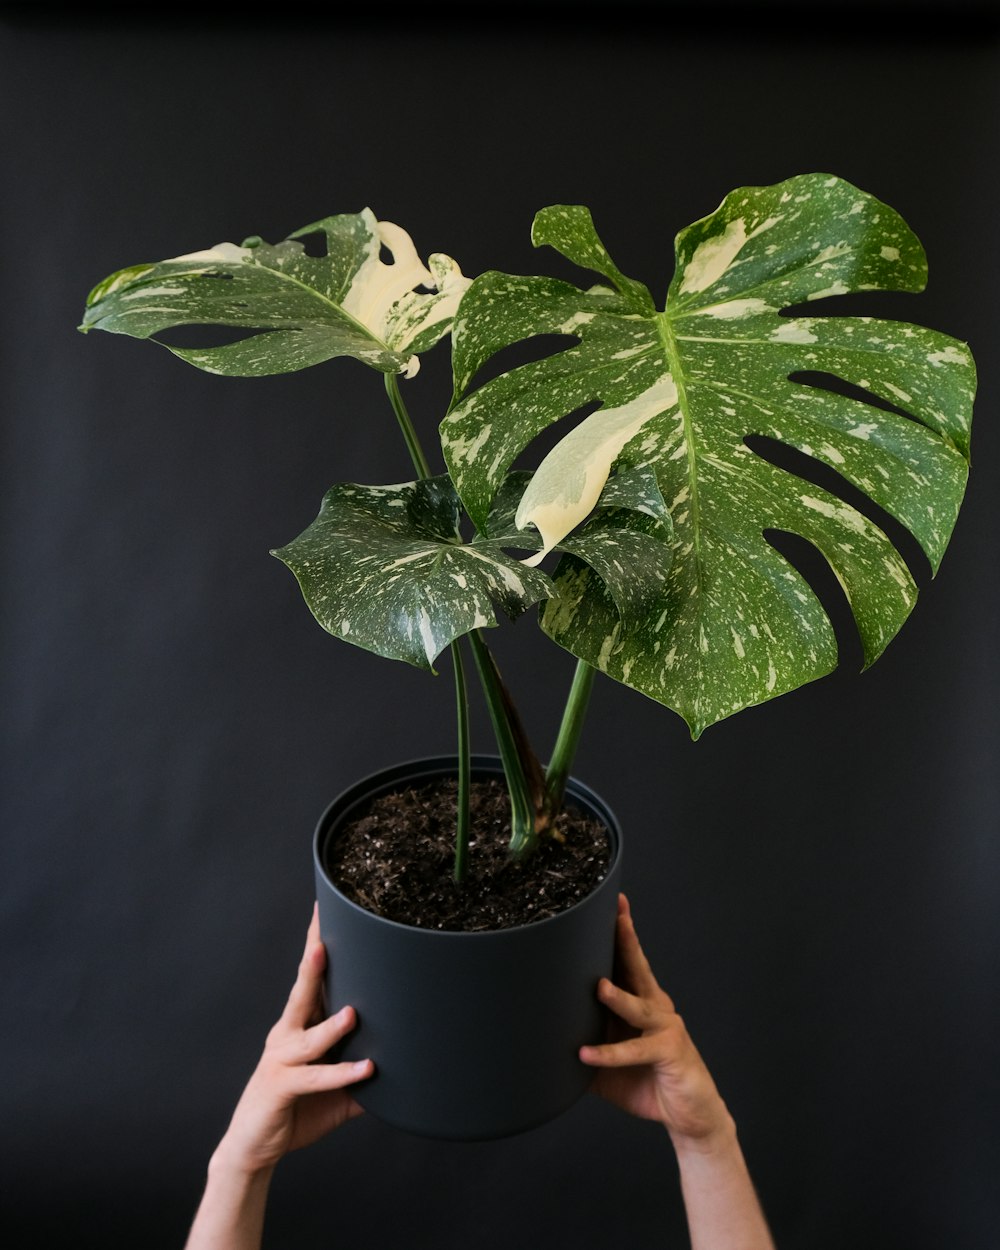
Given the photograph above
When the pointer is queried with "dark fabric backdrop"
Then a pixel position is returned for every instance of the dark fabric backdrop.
(817, 880)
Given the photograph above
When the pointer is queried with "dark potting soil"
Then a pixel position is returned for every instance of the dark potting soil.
(398, 861)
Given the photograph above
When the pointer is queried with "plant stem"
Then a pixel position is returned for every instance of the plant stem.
(462, 817)
(406, 425)
(521, 769)
(522, 808)
(561, 763)
(464, 765)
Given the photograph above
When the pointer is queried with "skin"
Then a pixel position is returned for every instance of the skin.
(290, 1101)
(649, 1067)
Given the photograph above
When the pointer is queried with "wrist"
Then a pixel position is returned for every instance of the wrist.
(230, 1163)
(715, 1141)
(231, 1212)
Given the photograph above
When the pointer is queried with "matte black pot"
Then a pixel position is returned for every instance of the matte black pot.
(473, 1035)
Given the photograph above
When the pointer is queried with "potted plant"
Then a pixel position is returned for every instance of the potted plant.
(703, 425)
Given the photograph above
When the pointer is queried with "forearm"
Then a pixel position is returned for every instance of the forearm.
(723, 1211)
(231, 1213)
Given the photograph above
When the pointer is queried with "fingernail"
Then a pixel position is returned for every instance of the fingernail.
(361, 1065)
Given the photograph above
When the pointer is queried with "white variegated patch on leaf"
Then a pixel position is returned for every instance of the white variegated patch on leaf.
(299, 310)
(681, 391)
(627, 542)
(385, 567)
(569, 481)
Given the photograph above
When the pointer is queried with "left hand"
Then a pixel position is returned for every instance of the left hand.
(292, 1100)
(650, 1067)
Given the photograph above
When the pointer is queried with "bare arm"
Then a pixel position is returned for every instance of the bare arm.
(652, 1069)
(290, 1101)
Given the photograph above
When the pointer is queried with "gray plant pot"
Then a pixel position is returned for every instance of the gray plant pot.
(473, 1035)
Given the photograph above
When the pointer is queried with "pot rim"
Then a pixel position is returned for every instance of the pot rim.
(435, 763)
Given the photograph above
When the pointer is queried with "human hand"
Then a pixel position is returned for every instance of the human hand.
(649, 1066)
(292, 1100)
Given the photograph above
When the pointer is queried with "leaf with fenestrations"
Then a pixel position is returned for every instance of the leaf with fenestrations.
(681, 391)
(298, 309)
(385, 567)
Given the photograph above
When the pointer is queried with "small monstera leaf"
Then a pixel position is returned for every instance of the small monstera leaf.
(385, 567)
(300, 309)
(682, 391)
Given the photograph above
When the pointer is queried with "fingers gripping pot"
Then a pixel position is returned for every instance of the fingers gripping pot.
(473, 1035)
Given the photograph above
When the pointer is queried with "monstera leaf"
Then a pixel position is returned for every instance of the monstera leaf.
(300, 309)
(681, 392)
(385, 567)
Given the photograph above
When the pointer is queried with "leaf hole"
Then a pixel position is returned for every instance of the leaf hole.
(385, 255)
(543, 442)
(806, 467)
(810, 563)
(894, 305)
(524, 352)
(206, 336)
(314, 244)
(210, 275)
(849, 390)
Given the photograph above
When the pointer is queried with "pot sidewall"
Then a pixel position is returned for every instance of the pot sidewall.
(473, 1035)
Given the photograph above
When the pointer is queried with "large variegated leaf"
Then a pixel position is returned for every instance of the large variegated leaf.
(300, 309)
(385, 567)
(681, 391)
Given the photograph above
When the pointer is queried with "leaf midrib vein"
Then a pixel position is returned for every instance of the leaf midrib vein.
(676, 370)
(314, 293)
(339, 308)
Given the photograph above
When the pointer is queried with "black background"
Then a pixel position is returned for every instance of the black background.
(816, 880)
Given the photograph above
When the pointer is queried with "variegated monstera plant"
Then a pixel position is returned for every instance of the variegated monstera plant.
(657, 502)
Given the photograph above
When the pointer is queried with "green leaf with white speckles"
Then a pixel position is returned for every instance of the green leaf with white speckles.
(680, 392)
(298, 309)
(626, 544)
(385, 567)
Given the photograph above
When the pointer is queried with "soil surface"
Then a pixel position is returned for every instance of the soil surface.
(398, 859)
